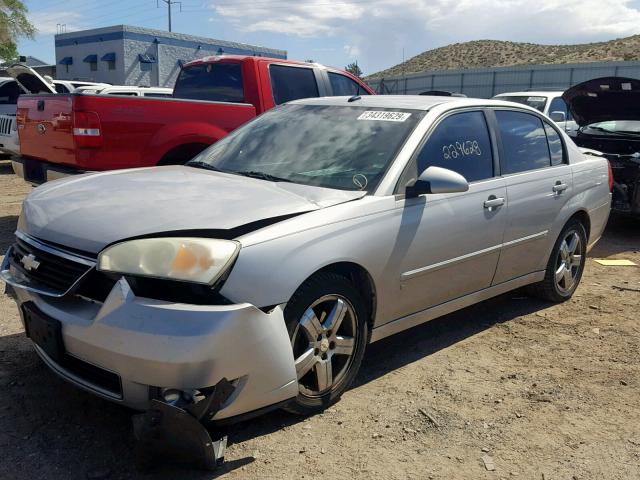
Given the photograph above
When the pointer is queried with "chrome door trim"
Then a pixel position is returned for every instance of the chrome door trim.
(528, 238)
(485, 251)
(446, 263)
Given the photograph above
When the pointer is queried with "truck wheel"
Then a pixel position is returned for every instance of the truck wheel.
(327, 323)
(565, 266)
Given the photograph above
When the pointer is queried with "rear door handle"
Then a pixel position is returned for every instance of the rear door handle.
(493, 202)
(560, 187)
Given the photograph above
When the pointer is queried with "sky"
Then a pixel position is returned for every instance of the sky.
(375, 33)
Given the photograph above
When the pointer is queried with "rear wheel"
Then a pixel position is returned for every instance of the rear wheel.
(327, 323)
(566, 264)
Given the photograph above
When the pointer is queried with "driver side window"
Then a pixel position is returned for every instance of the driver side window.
(460, 143)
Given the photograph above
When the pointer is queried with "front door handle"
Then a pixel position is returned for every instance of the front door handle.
(560, 187)
(493, 202)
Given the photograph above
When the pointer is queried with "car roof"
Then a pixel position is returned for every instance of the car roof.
(412, 102)
(533, 93)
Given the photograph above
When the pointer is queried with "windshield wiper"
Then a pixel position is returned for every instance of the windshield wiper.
(621, 133)
(205, 165)
(262, 176)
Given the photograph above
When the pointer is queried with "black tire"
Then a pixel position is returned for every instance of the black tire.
(314, 289)
(549, 289)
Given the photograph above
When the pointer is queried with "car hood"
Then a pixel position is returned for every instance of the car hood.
(604, 99)
(89, 212)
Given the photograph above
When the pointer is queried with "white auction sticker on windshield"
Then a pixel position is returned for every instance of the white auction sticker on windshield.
(384, 116)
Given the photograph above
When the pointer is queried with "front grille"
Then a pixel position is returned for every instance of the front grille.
(6, 124)
(55, 272)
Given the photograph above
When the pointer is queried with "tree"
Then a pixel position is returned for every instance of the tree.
(354, 69)
(13, 25)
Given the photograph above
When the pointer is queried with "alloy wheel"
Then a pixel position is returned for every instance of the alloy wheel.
(324, 342)
(568, 262)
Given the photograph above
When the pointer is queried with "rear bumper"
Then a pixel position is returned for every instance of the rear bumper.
(37, 172)
(149, 345)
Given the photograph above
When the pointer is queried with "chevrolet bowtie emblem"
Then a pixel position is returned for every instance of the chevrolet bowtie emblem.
(30, 262)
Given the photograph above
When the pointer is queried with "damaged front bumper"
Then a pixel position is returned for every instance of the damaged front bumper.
(130, 349)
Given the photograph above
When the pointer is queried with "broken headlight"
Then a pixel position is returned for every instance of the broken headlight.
(198, 260)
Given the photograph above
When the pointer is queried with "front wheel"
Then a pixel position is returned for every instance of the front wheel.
(327, 323)
(566, 264)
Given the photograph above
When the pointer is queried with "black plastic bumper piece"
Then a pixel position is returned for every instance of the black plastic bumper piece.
(168, 432)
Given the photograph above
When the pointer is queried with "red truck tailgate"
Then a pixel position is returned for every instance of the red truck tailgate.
(45, 127)
(105, 132)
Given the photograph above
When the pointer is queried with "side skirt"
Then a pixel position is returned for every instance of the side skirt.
(423, 316)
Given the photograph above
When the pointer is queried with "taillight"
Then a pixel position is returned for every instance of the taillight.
(610, 176)
(86, 129)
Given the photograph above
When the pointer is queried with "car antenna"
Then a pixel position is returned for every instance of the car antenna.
(354, 98)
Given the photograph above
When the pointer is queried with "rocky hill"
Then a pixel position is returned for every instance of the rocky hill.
(496, 53)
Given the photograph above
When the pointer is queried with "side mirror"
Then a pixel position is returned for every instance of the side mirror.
(437, 180)
(558, 117)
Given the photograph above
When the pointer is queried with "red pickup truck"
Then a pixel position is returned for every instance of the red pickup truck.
(61, 134)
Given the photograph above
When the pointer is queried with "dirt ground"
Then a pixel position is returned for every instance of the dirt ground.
(542, 391)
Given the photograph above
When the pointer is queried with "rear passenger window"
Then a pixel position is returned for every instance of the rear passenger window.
(292, 83)
(524, 142)
(460, 143)
(341, 85)
(216, 82)
(555, 145)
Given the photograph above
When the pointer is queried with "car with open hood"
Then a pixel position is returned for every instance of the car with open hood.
(276, 255)
(608, 113)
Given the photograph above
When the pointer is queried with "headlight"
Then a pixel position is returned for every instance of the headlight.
(199, 260)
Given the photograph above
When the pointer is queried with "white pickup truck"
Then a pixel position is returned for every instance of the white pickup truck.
(10, 90)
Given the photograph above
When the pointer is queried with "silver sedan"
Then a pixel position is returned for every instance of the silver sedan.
(276, 255)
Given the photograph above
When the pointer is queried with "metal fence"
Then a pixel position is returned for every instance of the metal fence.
(487, 82)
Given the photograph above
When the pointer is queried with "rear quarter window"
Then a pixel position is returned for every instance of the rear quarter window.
(292, 83)
(216, 82)
(556, 149)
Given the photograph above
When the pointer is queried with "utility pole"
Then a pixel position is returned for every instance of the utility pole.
(169, 4)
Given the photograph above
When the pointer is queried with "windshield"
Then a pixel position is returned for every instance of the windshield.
(347, 148)
(532, 101)
(618, 126)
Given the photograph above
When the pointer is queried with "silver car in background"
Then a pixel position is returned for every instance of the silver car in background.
(276, 255)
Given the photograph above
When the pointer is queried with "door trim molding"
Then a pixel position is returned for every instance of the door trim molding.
(446, 263)
(485, 251)
(528, 238)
